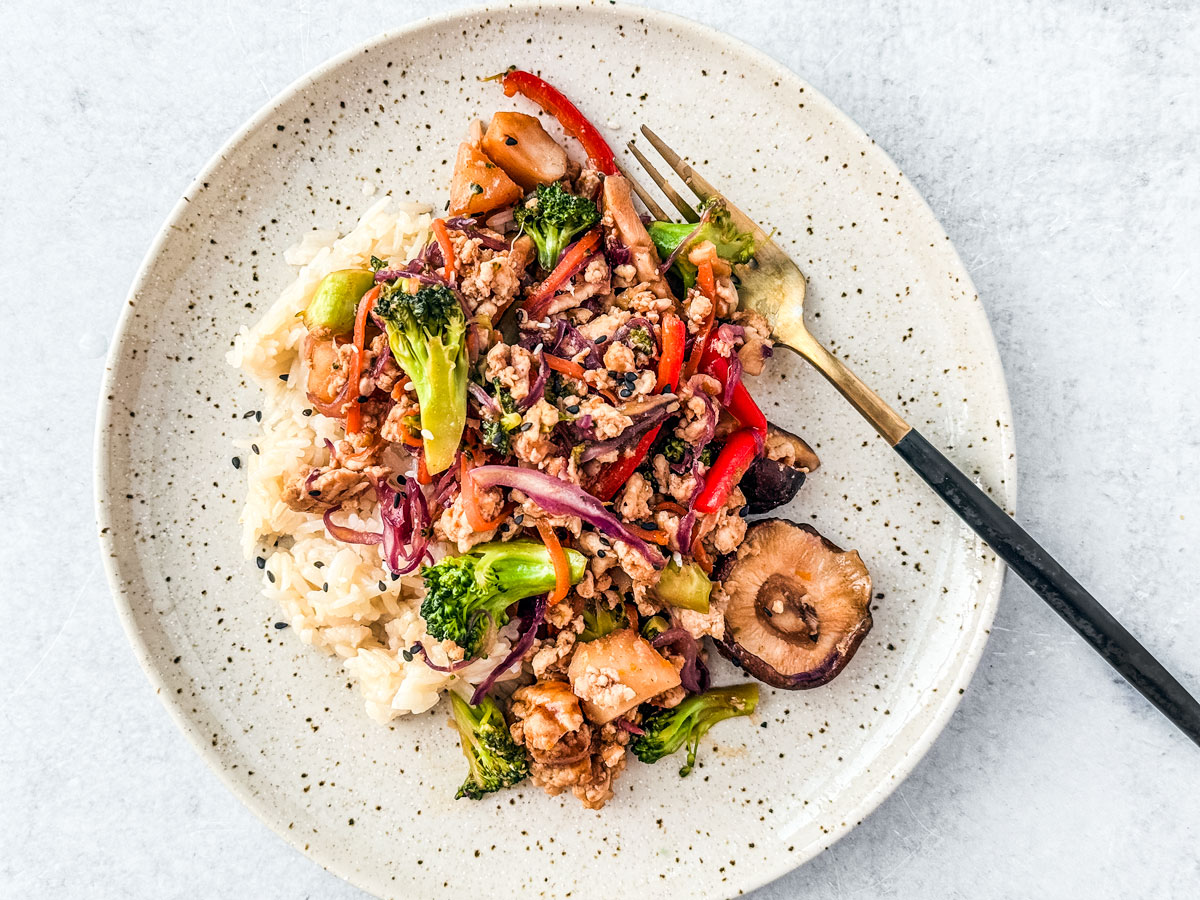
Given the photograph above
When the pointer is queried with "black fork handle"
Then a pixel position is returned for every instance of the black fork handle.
(1053, 583)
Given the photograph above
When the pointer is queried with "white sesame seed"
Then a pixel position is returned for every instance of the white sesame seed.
(537, 349)
(408, 385)
(678, 559)
(411, 473)
(427, 434)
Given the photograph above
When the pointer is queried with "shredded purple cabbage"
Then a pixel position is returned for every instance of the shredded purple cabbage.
(559, 498)
(345, 533)
(406, 526)
(470, 228)
(625, 725)
(529, 624)
(618, 254)
(640, 425)
(694, 674)
(636, 322)
(418, 650)
(537, 388)
(484, 400)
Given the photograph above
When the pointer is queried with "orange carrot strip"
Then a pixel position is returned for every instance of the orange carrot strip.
(562, 568)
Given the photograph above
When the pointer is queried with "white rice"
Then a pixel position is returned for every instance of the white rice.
(330, 592)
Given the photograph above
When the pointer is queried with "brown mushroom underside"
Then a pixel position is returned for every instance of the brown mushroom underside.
(799, 606)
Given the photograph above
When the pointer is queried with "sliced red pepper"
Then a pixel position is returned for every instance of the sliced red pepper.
(670, 362)
(354, 410)
(670, 366)
(741, 405)
(536, 303)
(614, 477)
(731, 464)
(572, 120)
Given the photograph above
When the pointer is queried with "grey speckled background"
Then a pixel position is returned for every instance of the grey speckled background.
(1057, 144)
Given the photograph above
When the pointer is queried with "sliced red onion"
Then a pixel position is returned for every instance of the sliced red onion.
(469, 227)
(559, 498)
(625, 725)
(418, 650)
(345, 533)
(670, 260)
(530, 624)
(406, 525)
(444, 490)
(640, 426)
(500, 220)
(694, 674)
(733, 378)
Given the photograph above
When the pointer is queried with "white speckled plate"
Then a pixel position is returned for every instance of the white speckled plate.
(887, 291)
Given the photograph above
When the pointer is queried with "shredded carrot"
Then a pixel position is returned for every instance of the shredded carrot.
(700, 555)
(423, 476)
(565, 366)
(655, 536)
(354, 411)
(672, 507)
(443, 239)
(408, 438)
(562, 568)
(471, 500)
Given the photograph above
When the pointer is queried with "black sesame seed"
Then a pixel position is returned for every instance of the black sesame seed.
(306, 412)
(510, 141)
(601, 553)
(318, 564)
(362, 399)
(314, 493)
(237, 463)
(261, 562)
(248, 415)
(254, 447)
(519, 518)
(396, 500)
(573, 408)
(626, 392)
(383, 585)
(279, 626)
(631, 377)
(271, 577)
(407, 654)
(325, 587)
(395, 576)
(283, 377)
(602, 339)
(614, 375)
(525, 426)
(258, 415)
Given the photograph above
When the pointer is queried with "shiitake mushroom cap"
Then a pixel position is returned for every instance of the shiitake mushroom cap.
(799, 606)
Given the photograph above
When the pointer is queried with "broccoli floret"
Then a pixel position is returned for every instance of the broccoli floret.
(666, 730)
(496, 432)
(599, 620)
(709, 454)
(495, 436)
(463, 592)
(496, 760)
(675, 450)
(504, 397)
(554, 219)
(427, 333)
(654, 626)
(733, 246)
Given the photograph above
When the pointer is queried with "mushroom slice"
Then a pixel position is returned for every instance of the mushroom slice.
(798, 605)
(776, 476)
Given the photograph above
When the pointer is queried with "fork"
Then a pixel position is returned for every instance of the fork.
(774, 286)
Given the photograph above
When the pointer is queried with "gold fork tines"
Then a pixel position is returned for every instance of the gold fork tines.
(772, 285)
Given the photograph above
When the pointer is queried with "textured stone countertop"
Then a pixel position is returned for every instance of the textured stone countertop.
(1056, 142)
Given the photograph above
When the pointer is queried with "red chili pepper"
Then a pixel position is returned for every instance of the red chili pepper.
(536, 303)
(614, 477)
(572, 120)
(670, 363)
(731, 464)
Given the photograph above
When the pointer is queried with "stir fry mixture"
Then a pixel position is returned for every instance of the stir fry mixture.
(547, 403)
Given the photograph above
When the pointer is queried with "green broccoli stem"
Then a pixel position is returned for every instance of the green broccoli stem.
(666, 731)
(523, 568)
(442, 393)
(494, 759)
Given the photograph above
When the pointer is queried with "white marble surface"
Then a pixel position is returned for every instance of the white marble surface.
(1057, 144)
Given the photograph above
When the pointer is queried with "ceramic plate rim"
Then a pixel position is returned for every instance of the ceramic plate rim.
(967, 656)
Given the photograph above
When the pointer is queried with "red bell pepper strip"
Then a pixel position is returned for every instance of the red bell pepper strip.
(536, 303)
(354, 410)
(443, 240)
(670, 363)
(614, 477)
(572, 120)
(741, 405)
(731, 464)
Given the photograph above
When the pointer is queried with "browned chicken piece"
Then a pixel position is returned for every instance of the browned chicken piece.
(321, 487)
(544, 713)
(328, 367)
(618, 205)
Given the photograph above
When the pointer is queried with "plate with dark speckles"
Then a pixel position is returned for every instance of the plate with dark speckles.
(886, 291)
